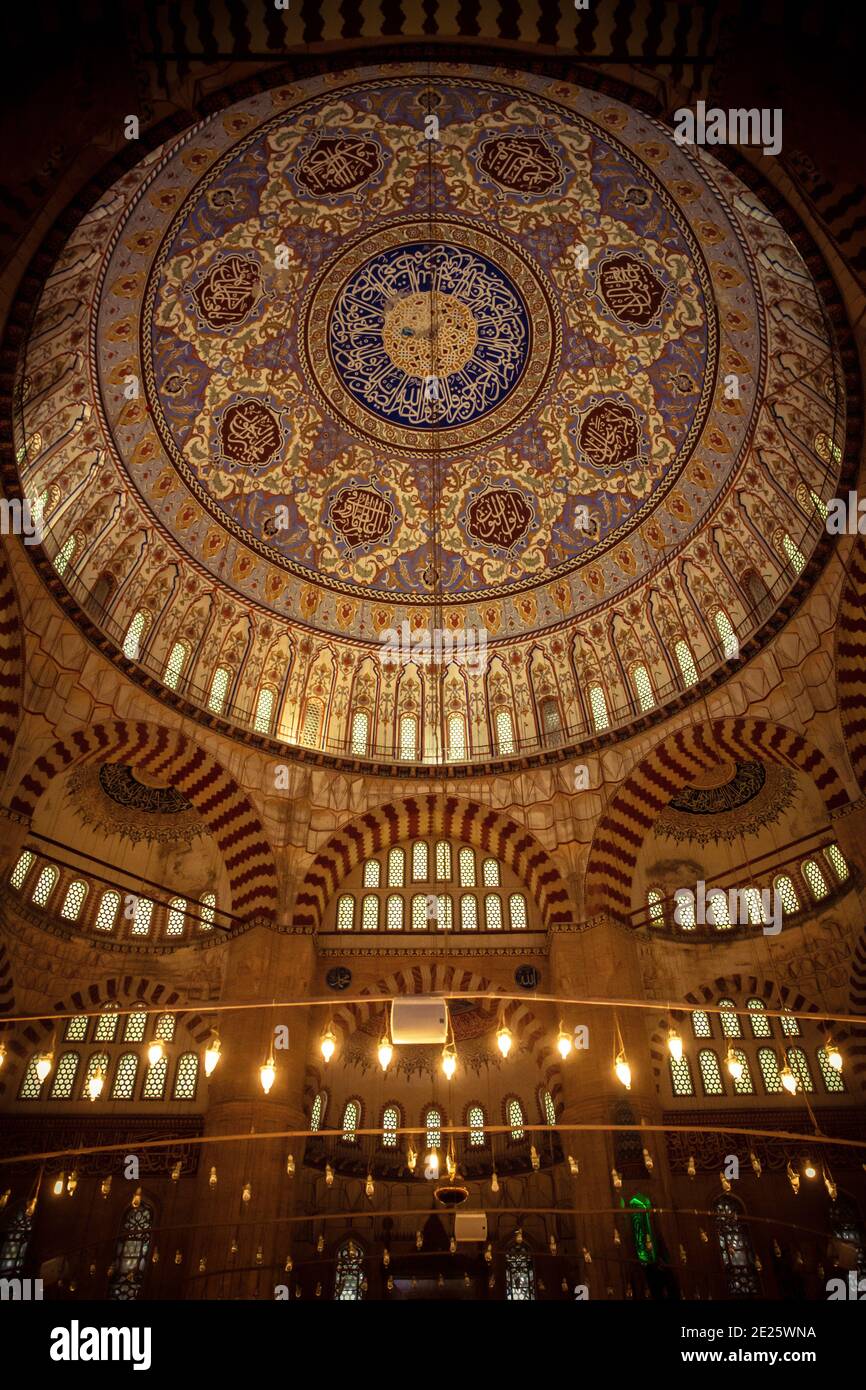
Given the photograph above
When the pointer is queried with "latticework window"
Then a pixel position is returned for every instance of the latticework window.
(44, 885)
(174, 666)
(142, 914)
(793, 554)
(360, 732)
(727, 636)
(312, 724)
(345, 913)
(164, 1027)
(74, 901)
(475, 1120)
(134, 634)
(97, 1065)
(349, 1274)
(433, 1126)
(684, 912)
(784, 886)
(718, 914)
(790, 1025)
(22, 868)
(655, 902)
(64, 1076)
(351, 1117)
(106, 1025)
(136, 1022)
(124, 1076)
(730, 1020)
(370, 914)
(548, 1107)
(396, 868)
(838, 861)
(551, 722)
(106, 915)
(701, 1025)
(317, 1112)
(686, 663)
(468, 913)
(466, 867)
(517, 910)
(372, 873)
(155, 1079)
(130, 1259)
(490, 873)
(832, 1079)
(419, 912)
(769, 1064)
(799, 1065)
(218, 690)
(208, 911)
(408, 736)
(711, 1076)
(682, 1081)
(186, 1077)
(176, 917)
(395, 913)
(493, 912)
(743, 1085)
(505, 745)
(390, 1125)
(14, 1242)
(514, 1111)
(598, 705)
(31, 1086)
(761, 1026)
(65, 554)
(643, 688)
(754, 906)
(519, 1275)
(456, 737)
(445, 919)
(420, 862)
(735, 1245)
(76, 1028)
(265, 709)
(443, 861)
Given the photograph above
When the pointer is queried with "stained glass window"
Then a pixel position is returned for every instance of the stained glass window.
(744, 1085)
(395, 913)
(372, 874)
(176, 917)
(345, 913)
(155, 1079)
(727, 636)
(396, 868)
(186, 1077)
(761, 1026)
(730, 1021)
(97, 1064)
(370, 914)
(837, 859)
(164, 1027)
(515, 1118)
(312, 724)
(456, 737)
(784, 886)
(468, 913)
(433, 1126)
(655, 901)
(174, 666)
(130, 1257)
(349, 1275)
(106, 1025)
(443, 908)
(136, 1023)
(31, 1086)
(686, 663)
(351, 1116)
(682, 1080)
(390, 1125)
(519, 1274)
(790, 1025)
(142, 914)
(44, 885)
(420, 862)
(360, 732)
(769, 1064)
(14, 1242)
(517, 909)
(134, 634)
(218, 690)
(832, 1079)
(466, 864)
(124, 1076)
(493, 912)
(504, 734)
(419, 912)
(64, 1076)
(19, 873)
(643, 687)
(443, 861)
(598, 704)
(317, 1112)
(475, 1120)
(490, 873)
(799, 1065)
(738, 1257)
(73, 901)
(711, 1076)
(76, 1028)
(701, 1025)
(106, 915)
(408, 736)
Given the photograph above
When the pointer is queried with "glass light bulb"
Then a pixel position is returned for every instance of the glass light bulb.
(59, 1184)
(494, 1182)
(44, 1063)
(329, 1175)
(329, 1045)
(213, 1177)
(155, 1052)
(734, 1066)
(623, 1070)
(675, 1045)
(788, 1079)
(267, 1074)
(370, 1187)
(563, 1043)
(834, 1056)
(504, 1039)
(431, 1163)
(809, 1169)
(72, 1181)
(2, 1053)
(386, 1052)
(449, 1063)
(212, 1055)
(95, 1084)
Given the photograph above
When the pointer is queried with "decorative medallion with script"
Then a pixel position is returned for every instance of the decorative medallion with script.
(335, 164)
(521, 163)
(228, 291)
(609, 436)
(630, 290)
(361, 516)
(499, 517)
(249, 434)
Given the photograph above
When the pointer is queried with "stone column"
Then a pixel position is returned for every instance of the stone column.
(263, 965)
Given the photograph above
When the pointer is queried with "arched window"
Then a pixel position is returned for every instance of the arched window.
(682, 1081)
(718, 914)
(799, 1065)
(44, 885)
(730, 1020)
(396, 868)
(349, 1274)
(433, 1127)
(22, 868)
(208, 910)
(351, 1120)
(743, 1084)
(784, 886)
(360, 732)
(164, 1026)
(504, 724)
(420, 862)
(372, 873)
(31, 1086)
(318, 1111)
(519, 1274)
(219, 689)
(791, 552)
(176, 917)
(833, 1082)
(754, 907)
(643, 688)
(106, 915)
(686, 663)
(408, 736)
(174, 666)
(457, 744)
(684, 912)
(370, 914)
(514, 1113)
(701, 1024)
(475, 1121)
(76, 1028)
(130, 1256)
(390, 1125)
(443, 861)
(656, 904)
(97, 1065)
(727, 636)
(490, 873)
(106, 1024)
(186, 1077)
(548, 1109)
(14, 1242)
(134, 634)
(466, 867)
(63, 558)
(265, 709)
(155, 1079)
(64, 1076)
(346, 913)
(846, 1228)
(419, 912)
(312, 724)
(142, 913)
(493, 912)
(837, 861)
(790, 1025)
(598, 705)
(445, 920)
(551, 720)
(517, 910)
(769, 1064)
(761, 1026)
(74, 901)
(711, 1076)
(735, 1244)
(125, 1076)
(395, 912)
(468, 913)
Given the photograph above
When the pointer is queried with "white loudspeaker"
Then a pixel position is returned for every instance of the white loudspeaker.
(419, 1020)
(470, 1225)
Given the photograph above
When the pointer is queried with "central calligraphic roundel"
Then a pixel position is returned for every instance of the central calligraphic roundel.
(417, 329)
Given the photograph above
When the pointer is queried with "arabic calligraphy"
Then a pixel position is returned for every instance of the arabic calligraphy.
(422, 310)
(521, 163)
(609, 435)
(229, 290)
(337, 163)
(499, 517)
(629, 289)
(249, 433)
(361, 516)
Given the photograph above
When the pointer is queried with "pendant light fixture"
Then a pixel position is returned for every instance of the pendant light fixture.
(212, 1054)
